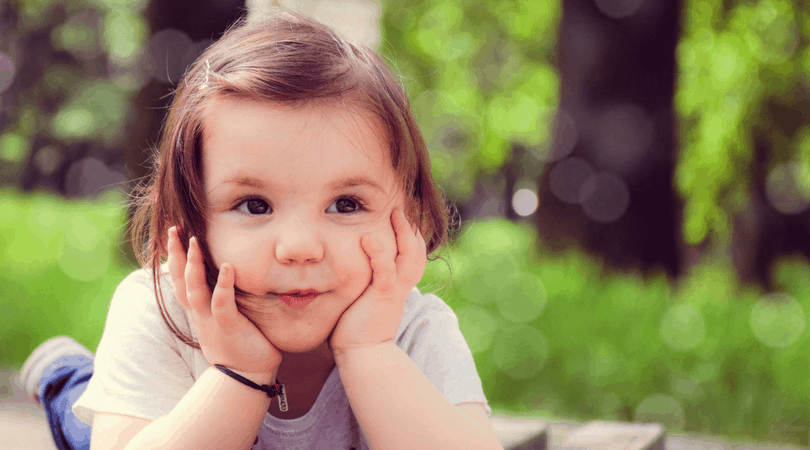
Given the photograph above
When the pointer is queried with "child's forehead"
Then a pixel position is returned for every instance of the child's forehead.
(348, 116)
(250, 136)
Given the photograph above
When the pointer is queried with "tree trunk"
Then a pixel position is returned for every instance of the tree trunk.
(613, 194)
(202, 22)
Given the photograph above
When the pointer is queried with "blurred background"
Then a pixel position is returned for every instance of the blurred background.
(632, 178)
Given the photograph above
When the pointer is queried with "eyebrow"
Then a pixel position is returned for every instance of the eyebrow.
(343, 183)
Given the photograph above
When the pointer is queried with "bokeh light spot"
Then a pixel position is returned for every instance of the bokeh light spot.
(525, 202)
(7, 71)
(568, 177)
(525, 299)
(777, 320)
(84, 252)
(170, 54)
(683, 327)
(661, 409)
(605, 197)
(477, 326)
(124, 34)
(89, 177)
(47, 159)
(73, 123)
(787, 188)
(78, 35)
(520, 352)
(14, 147)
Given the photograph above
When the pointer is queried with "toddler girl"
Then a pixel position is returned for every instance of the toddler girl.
(287, 224)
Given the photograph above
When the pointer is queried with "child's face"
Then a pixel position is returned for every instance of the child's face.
(279, 216)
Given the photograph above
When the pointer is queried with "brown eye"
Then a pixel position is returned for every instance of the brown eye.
(255, 206)
(345, 205)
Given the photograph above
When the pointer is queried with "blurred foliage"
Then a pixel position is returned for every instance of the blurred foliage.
(736, 59)
(556, 335)
(550, 334)
(479, 77)
(79, 61)
(61, 263)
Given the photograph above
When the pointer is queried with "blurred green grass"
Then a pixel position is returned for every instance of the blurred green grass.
(703, 354)
(551, 334)
(61, 262)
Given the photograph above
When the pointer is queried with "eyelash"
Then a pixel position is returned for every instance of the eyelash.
(361, 205)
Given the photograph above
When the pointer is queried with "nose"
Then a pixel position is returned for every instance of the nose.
(298, 245)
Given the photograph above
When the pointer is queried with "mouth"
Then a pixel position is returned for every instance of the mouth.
(298, 299)
(300, 293)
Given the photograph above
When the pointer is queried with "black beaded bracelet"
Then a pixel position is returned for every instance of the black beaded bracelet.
(271, 391)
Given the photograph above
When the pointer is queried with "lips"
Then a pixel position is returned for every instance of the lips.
(298, 299)
(300, 292)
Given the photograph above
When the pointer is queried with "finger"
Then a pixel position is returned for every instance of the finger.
(383, 269)
(197, 293)
(412, 265)
(405, 245)
(177, 267)
(421, 252)
(223, 304)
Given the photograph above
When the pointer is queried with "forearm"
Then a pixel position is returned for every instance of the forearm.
(217, 412)
(399, 408)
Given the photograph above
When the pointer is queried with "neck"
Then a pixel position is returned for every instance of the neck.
(315, 365)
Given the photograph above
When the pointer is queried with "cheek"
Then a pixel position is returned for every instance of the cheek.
(349, 252)
(244, 254)
(234, 252)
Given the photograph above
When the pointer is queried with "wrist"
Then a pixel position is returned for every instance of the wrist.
(259, 378)
(270, 389)
(342, 355)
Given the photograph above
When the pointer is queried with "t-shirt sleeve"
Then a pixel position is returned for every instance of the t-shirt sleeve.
(138, 369)
(430, 335)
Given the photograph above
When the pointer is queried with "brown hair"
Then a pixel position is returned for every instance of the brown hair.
(288, 60)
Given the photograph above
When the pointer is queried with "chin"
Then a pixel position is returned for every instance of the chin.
(298, 342)
(297, 346)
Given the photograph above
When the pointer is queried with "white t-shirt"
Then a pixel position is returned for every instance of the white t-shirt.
(142, 369)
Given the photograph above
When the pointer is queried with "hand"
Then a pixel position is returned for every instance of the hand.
(375, 316)
(226, 336)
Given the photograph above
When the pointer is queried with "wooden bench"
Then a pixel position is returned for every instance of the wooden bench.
(524, 433)
(536, 433)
